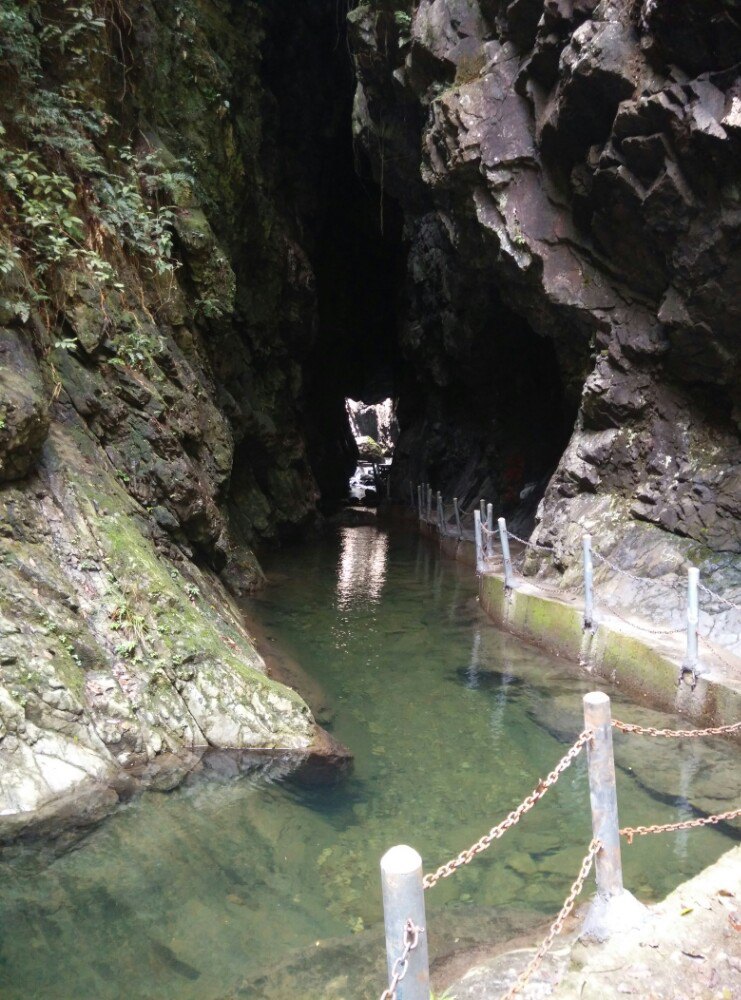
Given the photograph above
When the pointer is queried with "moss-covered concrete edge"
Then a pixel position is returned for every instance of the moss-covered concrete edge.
(648, 674)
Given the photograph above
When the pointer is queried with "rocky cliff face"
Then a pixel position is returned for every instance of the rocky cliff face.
(196, 268)
(570, 177)
(157, 310)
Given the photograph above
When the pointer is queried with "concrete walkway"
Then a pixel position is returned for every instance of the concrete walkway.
(631, 651)
(688, 949)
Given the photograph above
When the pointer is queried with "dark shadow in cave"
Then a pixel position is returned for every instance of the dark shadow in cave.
(352, 232)
(500, 426)
(487, 413)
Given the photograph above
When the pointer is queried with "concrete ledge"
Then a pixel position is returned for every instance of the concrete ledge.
(610, 652)
(615, 651)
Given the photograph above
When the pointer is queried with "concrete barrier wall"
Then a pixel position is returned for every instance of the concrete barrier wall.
(628, 661)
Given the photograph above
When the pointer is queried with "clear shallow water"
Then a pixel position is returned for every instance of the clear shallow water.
(200, 892)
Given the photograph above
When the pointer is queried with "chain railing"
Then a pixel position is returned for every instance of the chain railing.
(629, 832)
(512, 818)
(557, 925)
(401, 965)
(630, 727)
(717, 597)
(485, 534)
(404, 883)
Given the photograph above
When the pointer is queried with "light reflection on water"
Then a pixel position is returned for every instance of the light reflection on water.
(361, 570)
(184, 896)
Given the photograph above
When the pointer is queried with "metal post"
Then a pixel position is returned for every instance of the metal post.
(482, 508)
(404, 899)
(588, 582)
(613, 909)
(440, 514)
(477, 536)
(509, 580)
(490, 530)
(429, 502)
(603, 793)
(457, 518)
(419, 501)
(693, 616)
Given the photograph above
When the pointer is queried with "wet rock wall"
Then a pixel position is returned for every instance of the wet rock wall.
(569, 173)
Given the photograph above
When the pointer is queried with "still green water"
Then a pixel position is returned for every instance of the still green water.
(232, 884)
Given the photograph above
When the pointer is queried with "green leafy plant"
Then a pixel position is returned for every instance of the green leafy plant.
(72, 198)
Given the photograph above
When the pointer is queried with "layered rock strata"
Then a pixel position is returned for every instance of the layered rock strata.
(569, 172)
(157, 305)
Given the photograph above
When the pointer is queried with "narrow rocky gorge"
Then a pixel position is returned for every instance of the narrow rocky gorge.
(569, 175)
(520, 220)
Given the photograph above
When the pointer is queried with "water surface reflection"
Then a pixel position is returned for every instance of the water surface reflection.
(361, 569)
(222, 888)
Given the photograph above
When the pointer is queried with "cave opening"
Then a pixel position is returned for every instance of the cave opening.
(350, 226)
(482, 405)
(375, 430)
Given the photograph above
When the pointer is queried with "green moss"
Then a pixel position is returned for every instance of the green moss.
(556, 623)
(187, 634)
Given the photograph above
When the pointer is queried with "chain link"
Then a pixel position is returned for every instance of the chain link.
(534, 580)
(640, 831)
(529, 545)
(645, 628)
(717, 597)
(465, 857)
(557, 925)
(399, 970)
(518, 562)
(713, 650)
(671, 585)
(629, 727)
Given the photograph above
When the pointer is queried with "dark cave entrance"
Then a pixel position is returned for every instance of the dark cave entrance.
(352, 231)
(479, 396)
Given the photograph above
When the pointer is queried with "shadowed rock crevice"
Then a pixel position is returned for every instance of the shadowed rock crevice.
(579, 166)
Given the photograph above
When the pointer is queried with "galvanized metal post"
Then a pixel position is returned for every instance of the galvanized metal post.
(482, 508)
(440, 514)
(479, 546)
(419, 501)
(509, 578)
(603, 793)
(404, 899)
(588, 582)
(457, 518)
(490, 531)
(613, 909)
(693, 615)
(429, 502)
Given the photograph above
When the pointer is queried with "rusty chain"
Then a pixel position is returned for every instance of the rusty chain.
(629, 727)
(629, 832)
(399, 970)
(512, 818)
(557, 925)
